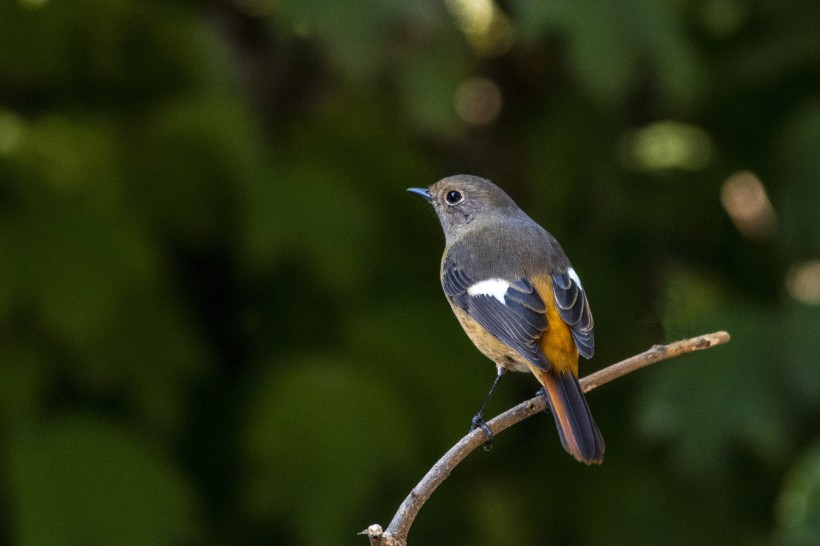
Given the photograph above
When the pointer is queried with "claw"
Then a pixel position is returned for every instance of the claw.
(543, 392)
(478, 422)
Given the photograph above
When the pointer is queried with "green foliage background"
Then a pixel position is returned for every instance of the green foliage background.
(220, 317)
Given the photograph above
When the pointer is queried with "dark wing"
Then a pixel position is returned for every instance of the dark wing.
(518, 321)
(573, 307)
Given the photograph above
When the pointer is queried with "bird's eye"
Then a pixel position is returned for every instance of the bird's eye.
(454, 197)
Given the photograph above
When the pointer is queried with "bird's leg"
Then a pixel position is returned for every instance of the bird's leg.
(543, 392)
(478, 418)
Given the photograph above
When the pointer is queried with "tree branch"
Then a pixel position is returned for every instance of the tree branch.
(397, 531)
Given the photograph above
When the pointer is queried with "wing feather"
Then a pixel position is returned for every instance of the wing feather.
(518, 320)
(573, 308)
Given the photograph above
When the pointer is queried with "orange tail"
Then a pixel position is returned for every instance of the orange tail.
(576, 427)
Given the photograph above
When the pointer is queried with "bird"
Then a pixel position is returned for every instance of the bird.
(519, 300)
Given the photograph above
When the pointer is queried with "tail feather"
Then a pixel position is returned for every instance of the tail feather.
(576, 427)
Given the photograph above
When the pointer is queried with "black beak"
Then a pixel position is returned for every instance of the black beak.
(424, 192)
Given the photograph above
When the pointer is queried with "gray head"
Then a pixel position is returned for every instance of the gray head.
(464, 202)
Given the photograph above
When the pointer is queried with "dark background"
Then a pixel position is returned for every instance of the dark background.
(220, 315)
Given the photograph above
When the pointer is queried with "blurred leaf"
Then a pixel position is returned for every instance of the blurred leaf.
(317, 421)
(149, 353)
(775, 43)
(612, 43)
(9, 275)
(429, 81)
(601, 51)
(85, 263)
(801, 347)
(78, 245)
(327, 225)
(432, 359)
(661, 33)
(415, 43)
(313, 203)
(724, 398)
(23, 382)
(103, 50)
(352, 33)
(499, 523)
(194, 152)
(798, 508)
(83, 481)
(798, 154)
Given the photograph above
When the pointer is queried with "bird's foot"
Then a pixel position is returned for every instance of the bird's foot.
(478, 422)
(543, 392)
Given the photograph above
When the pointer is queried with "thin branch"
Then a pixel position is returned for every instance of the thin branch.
(399, 528)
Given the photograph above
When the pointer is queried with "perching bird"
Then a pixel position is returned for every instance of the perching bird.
(519, 300)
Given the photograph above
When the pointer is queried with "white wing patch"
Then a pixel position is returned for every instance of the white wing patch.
(490, 287)
(574, 276)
